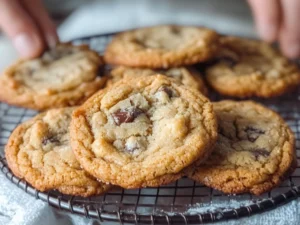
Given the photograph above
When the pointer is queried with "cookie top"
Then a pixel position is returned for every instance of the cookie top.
(186, 75)
(63, 76)
(254, 152)
(245, 68)
(135, 134)
(162, 46)
(39, 151)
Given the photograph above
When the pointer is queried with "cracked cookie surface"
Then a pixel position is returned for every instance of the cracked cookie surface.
(143, 133)
(186, 75)
(162, 46)
(39, 151)
(254, 152)
(245, 68)
(63, 76)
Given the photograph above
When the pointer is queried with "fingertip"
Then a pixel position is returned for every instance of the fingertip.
(268, 32)
(21, 29)
(29, 45)
(291, 51)
(289, 34)
(51, 39)
(289, 43)
(267, 18)
(289, 47)
(43, 21)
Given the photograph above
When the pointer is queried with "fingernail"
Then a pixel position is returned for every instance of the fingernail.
(27, 45)
(293, 49)
(51, 40)
(267, 32)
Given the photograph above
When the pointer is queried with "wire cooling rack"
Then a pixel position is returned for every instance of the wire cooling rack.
(182, 202)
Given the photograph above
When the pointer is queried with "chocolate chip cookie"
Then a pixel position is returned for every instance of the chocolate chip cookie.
(39, 151)
(143, 133)
(63, 76)
(162, 46)
(254, 152)
(245, 68)
(186, 75)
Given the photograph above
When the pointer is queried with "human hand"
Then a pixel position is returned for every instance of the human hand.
(279, 20)
(28, 25)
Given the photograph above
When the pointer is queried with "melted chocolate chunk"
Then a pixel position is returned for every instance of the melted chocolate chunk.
(260, 152)
(167, 90)
(160, 71)
(50, 139)
(221, 131)
(225, 134)
(227, 60)
(253, 133)
(175, 30)
(126, 116)
(141, 43)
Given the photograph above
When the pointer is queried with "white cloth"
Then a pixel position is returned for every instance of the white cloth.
(230, 16)
(19, 208)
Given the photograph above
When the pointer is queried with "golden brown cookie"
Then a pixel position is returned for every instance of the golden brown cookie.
(63, 76)
(163, 46)
(245, 68)
(255, 150)
(143, 133)
(186, 75)
(39, 151)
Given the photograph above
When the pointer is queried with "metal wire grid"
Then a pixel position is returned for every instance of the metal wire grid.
(182, 202)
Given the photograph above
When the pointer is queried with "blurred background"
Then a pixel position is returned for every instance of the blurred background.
(79, 18)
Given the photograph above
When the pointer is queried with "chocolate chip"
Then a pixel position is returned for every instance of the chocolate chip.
(167, 90)
(253, 133)
(260, 152)
(160, 71)
(228, 135)
(51, 139)
(175, 30)
(227, 60)
(221, 131)
(126, 115)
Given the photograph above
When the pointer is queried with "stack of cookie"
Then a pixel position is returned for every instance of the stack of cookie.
(151, 124)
